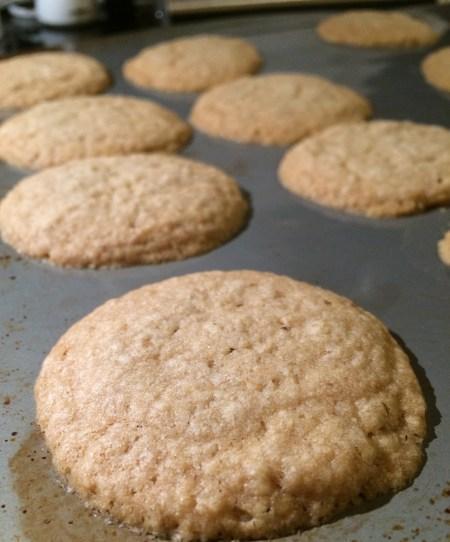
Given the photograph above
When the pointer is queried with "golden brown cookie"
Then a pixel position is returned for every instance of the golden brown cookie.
(436, 69)
(444, 248)
(55, 132)
(26, 80)
(378, 168)
(192, 64)
(230, 405)
(275, 109)
(123, 210)
(369, 28)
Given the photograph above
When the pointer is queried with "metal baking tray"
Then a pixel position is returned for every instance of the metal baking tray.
(389, 267)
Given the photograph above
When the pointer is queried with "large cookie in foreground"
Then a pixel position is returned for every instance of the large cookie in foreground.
(55, 132)
(124, 210)
(230, 405)
(192, 64)
(26, 80)
(276, 109)
(377, 168)
(370, 28)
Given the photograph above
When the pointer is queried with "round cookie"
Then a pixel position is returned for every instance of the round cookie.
(26, 80)
(230, 405)
(275, 109)
(377, 168)
(55, 132)
(192, 64)
(436, 69)
(444, 248)
(367, 28)
(123, 210)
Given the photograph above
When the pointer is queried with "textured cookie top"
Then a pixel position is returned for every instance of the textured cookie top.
(55, 132)
(378, 168)
(192, 64)
(276, 109)
(444, 248)
(230, 405)
(122, 211)
(366, 28)
(436, 68)
(26, 80)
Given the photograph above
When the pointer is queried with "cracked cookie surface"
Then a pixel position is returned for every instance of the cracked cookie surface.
(26, 80)
(276, 109)
(377, 168)
(192, 64)
(55, 132)
(230, 405)
(116, 211)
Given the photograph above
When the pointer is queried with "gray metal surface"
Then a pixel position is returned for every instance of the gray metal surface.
(390, 267)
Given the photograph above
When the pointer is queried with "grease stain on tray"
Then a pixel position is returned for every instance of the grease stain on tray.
(6, 260)
(47, 512)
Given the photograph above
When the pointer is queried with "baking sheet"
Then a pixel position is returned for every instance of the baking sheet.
(389, 267)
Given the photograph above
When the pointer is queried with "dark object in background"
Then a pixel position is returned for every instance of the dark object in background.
(122, 14)
(118, 14)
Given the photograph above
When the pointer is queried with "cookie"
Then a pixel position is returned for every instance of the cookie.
(55, 132)
(29, 79)
(275, 109)
(378, 168)
(125, 210)
(444, 248)
(230, 405)
(436, 69)
(192, 64)
(367, 28)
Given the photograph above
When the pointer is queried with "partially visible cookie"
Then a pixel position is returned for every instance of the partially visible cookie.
(55, 132)
(192, 64)
(26, 80)
(276, 109)
(436, 69)
(378, 168)
(367, 28)
(444, 248)
(230, 406)
(123, 210)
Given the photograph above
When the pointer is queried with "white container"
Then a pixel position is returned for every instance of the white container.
(65, 12)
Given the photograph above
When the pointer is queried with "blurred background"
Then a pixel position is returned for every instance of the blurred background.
(49, 23)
